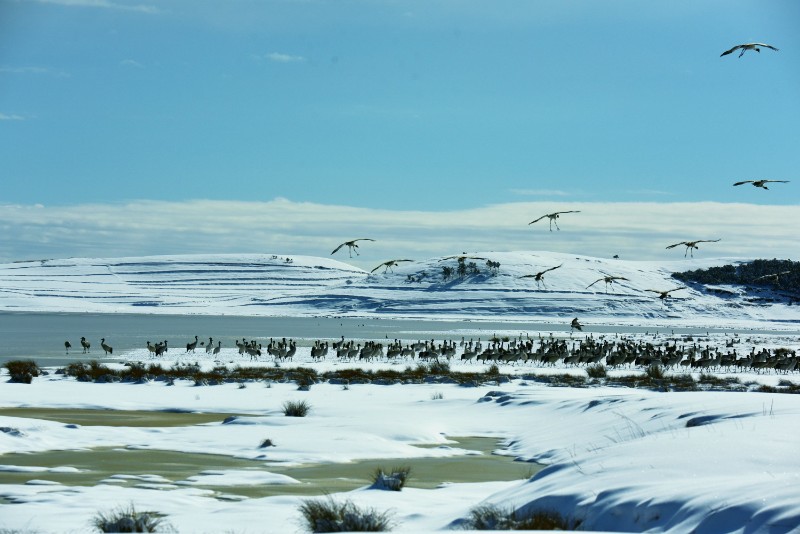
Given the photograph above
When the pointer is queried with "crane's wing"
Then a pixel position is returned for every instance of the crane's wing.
(337, 249)
(362, 239)
(708, 240)
(676, 244)
(744, 182)
(778, 181)
(593, 283)
(381, 265)
(528, 276)
(570, 211)
(463, 256)
(765, 45)
(619, 278)
(775, 275)
(539, 219)
(552, 268)
(735, 48)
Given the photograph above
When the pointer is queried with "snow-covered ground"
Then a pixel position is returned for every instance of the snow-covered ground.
(279, 285)
(618, 459)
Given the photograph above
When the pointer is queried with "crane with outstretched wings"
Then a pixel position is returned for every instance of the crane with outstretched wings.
(388, 265)
(351, 245)
(552, 216)
(692, 245)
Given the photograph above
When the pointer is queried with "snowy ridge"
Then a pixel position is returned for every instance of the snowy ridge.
(302, 286)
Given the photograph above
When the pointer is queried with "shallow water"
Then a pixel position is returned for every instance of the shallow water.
(41, 336)
(132, 418)
(169, 469)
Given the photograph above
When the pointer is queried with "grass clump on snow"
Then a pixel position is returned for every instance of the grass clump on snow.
(654, 377)
(655, 371)
(563, 379)
(491, 517)
(130, 520)
(392, 480)
(22, 371)
(305, 378)
(330, 516)
(675, 382)
(713, 381)
(296, 408)
(437, 367)
(597, 370)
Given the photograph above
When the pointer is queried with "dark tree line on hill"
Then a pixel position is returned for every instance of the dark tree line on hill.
(464, 269)
(783, 275)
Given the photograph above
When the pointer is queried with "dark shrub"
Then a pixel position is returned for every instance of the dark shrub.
(655, 371)
(89, 372)
(129, 520)
(22, 371)
(597, 370)
(296, 408)
(439, 368)
(392, 480)
(490, 517)
(330, 516)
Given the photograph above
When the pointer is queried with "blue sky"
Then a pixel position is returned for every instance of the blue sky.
(430, 107)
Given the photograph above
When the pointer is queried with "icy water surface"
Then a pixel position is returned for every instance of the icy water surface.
(41, 336)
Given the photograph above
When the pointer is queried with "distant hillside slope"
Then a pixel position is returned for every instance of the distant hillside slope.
(488, 286)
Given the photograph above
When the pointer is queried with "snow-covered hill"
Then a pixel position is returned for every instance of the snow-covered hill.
(278, 285)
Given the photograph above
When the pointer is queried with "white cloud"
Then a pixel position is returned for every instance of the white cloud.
(284, 58)
(105, 4)
(635, 231)
(12, 117)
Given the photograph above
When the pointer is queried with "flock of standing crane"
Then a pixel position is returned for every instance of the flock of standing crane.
(86, 346)
(543, 351)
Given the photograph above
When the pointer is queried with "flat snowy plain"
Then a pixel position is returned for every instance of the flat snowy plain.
(618, 459)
